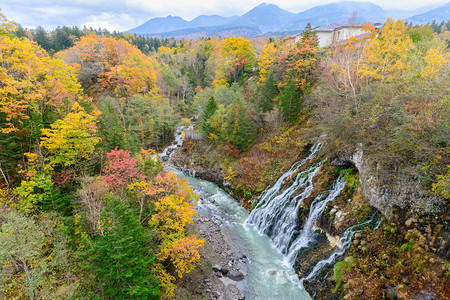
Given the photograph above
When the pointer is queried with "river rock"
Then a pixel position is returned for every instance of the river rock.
(216, 268)
(271, 272)
(410, 222)
(391, 293)
(235, 275)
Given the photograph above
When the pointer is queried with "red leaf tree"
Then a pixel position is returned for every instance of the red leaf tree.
(121, 169)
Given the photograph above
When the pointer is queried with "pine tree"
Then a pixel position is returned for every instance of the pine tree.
(269, 93)
(120, 256)
(308, 33)
(290, 102)
(110, 126)
(239, 129)
(41, 38)
(210, 109)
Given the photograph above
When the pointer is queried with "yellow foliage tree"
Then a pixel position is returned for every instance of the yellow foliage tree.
(183, 253)
(232, 58)
(434, 61)
(265, 61)
(7, 27)
(385, 58)
(72, 138)
(174, 209)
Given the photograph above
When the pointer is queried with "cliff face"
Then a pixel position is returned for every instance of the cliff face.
(410, 241)
(402, 200)
(392, 193)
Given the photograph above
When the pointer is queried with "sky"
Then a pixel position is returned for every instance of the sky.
(122, 15)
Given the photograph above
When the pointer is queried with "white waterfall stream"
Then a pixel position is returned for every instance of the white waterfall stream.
(268, 277)
(318, 205)
(276, 217)
(346, 239)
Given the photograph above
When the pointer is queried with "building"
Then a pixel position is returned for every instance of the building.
(336, 33)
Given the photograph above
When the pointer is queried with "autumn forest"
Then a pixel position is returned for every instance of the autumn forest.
(88, 210)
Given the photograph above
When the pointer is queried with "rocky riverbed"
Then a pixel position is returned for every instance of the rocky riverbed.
(222, 269)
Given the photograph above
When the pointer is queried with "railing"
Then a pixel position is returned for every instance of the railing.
(190, 134)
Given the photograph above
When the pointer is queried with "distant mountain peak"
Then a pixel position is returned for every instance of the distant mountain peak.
(267, 18)
(440, 14)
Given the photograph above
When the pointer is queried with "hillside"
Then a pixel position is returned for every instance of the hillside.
(171, 23)
(144, 168)
(440, 14)
(337, 13)
(160, 25)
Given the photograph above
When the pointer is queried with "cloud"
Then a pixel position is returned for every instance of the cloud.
(126, 14)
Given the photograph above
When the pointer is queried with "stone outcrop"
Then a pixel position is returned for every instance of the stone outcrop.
(393, 192)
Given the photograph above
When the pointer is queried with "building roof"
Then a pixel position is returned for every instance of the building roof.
(334, 26)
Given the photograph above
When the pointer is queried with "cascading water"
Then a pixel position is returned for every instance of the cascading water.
(318, 205)
(277, 216)
(178, 142)
(346, 240)
(268, 277)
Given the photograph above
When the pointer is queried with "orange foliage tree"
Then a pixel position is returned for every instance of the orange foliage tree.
(106, 64)
(173, 201)
(31, 82)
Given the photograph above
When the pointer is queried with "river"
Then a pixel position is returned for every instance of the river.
(268, 275)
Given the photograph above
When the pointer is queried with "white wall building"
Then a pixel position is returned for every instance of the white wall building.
(336, 33)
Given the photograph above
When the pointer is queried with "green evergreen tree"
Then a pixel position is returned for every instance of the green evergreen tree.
(290, 102)
(269, 93)
(209, 111)
(21, 32)
(42, 39)
(120, 256)
(239, 130)
(308, 32)
(110, 126)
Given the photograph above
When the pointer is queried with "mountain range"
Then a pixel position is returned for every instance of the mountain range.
(267, 19)
(440, 14)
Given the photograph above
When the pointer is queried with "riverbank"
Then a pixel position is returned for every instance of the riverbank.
(220, 264)
(400, 251)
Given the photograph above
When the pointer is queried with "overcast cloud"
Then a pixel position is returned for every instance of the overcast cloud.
(126, 14)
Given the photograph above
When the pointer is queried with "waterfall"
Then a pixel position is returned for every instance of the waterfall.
(318, 205)
(277, 214)
(346, 240)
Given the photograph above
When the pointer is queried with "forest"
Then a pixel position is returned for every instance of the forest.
(87, 208)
